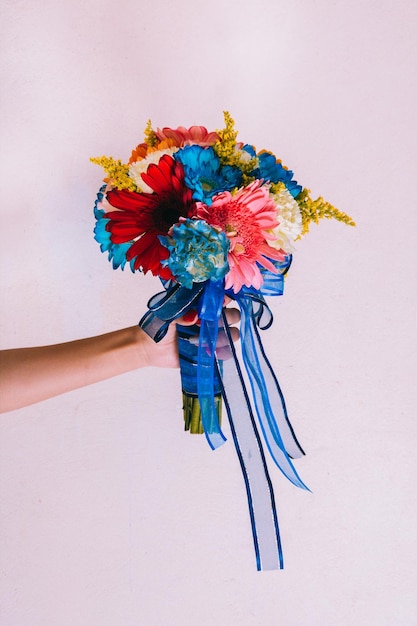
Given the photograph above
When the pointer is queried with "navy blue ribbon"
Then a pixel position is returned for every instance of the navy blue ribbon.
(210, 310)
(268, 399)
(166, 306)
(249, 449)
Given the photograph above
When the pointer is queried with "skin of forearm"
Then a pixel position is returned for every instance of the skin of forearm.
(29, 375)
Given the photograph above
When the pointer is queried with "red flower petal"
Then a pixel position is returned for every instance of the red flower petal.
(124, 199)
(141, 217)
(148, 253)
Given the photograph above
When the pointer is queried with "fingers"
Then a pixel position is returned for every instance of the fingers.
(223, 350)
(191, 317)
(222, 339)
(232, 316)
(224, 354)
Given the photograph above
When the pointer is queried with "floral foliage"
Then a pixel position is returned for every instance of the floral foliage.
(193, 205)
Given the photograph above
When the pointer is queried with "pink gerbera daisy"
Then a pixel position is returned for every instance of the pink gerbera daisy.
(246, 218)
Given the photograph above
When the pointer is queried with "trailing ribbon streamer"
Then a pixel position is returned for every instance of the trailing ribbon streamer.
(210, 310)
(255, 363)
(248, 445)
(268, 400)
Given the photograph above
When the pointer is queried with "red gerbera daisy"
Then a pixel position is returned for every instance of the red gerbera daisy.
(141, 217)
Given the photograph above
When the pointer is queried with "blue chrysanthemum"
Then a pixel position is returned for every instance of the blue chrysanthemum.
(197, 252)
(270, 170)
(116, 252)
(204, 174)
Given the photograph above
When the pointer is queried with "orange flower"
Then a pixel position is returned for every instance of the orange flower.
(174, 138)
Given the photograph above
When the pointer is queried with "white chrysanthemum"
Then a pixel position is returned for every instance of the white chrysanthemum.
(290, 224)
(137, 168)
(246, 157)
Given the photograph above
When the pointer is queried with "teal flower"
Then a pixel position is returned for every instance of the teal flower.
(271, 170)
(116, 252)
(204, 174)
(197, 252)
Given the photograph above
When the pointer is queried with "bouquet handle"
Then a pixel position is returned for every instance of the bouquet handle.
(188, 354)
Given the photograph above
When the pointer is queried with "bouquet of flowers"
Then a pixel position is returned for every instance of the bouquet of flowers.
(215, 218)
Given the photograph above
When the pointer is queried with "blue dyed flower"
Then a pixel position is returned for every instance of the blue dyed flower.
(116, 252)
(269, 169)
(197, 252)
(204, 174)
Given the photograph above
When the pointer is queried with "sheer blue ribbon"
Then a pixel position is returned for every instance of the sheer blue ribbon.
(248, 445)
(210, 310)
(268, 399)
(167, 306)
(256, 365)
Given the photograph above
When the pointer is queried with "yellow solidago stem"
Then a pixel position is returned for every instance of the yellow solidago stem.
(277, 188)
(150, 136)
(117, 173)
(225, 149)
(315, 210)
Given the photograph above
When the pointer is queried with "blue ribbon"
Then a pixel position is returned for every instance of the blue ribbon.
(254, 360)
(268, 399)
(248, 445)
(166, 306)
(210, 310)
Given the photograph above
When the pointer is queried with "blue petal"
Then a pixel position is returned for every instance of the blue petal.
(204, 174)
(116, 252)
(270, 170)
(250, 150)
(101, 235)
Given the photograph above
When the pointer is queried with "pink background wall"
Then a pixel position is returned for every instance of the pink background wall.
(110, 514)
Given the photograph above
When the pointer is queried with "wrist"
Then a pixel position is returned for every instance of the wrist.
(142, 346)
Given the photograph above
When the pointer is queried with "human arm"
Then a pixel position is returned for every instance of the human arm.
(29, 375)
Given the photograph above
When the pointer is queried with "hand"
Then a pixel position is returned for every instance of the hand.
(29, 375)
(165, 352)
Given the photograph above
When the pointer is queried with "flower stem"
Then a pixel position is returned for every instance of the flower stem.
(192, 412)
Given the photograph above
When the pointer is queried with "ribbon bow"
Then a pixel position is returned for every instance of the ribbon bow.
(268, 400)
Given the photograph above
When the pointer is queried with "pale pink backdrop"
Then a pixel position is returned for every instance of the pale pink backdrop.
(110, 514)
